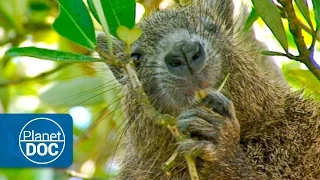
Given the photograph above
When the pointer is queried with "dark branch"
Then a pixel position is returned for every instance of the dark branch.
(295, 27)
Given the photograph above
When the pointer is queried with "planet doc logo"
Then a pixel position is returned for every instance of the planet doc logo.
(42, 140)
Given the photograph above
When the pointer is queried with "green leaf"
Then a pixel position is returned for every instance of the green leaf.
(303, 7)
(118, 13)
(288, 66)
(75, 23)
(50, 55)
(253, 16)
(268, 11)
(301, 79)
(304, 79)
(316, 9)
(128, 36)
(93, 10)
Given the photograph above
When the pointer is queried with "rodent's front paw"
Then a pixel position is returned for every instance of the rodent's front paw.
(214, 121)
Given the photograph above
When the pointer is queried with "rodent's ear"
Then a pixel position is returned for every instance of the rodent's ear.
(118, 49)
(225, 10)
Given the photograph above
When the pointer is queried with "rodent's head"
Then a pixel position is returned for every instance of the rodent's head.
(181, 51)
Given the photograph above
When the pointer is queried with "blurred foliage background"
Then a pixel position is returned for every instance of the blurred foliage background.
(87, 91)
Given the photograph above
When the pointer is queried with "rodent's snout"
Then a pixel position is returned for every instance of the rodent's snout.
(186, 57)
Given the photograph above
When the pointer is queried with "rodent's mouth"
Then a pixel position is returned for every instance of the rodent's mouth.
(185, 91)
(194, 90)
(195, 93)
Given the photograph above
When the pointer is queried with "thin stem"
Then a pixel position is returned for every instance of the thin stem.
(152, 113)
(103, 20)
(192, 167)
(305, 53)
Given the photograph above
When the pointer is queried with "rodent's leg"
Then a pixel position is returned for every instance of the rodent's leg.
(214, 138)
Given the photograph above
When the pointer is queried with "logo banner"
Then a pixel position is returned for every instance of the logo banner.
(36, 140)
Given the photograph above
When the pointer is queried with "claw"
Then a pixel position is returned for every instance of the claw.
(218, 103)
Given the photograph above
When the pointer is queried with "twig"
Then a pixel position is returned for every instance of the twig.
(170, 162)
(308, 30)
(109, 60)
(223, 82)
(303, 26)
(28, 79)
(192, 167)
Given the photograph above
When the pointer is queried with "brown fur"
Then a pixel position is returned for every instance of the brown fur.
(279, 136)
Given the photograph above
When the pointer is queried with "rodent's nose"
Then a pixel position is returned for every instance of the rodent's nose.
(186, 57)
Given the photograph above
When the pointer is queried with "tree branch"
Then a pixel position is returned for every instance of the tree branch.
(28, 79)
(305, 54)
(309, 30)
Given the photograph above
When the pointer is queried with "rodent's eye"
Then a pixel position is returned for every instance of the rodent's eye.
(136, 58)
(209, 25)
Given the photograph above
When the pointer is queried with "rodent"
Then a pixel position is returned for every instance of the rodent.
(255, 128)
